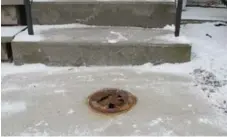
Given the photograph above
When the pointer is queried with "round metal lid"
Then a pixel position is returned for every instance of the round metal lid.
(111, 100)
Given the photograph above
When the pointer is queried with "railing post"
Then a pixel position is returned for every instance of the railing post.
(29, 17)
(178, 18)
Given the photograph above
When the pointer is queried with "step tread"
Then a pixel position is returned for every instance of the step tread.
(8, 32)
(21, 2)
(79, 33)
(102, 1)
(12, 2)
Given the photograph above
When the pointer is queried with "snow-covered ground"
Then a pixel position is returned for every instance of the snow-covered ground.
(208, 66)
(208, 63)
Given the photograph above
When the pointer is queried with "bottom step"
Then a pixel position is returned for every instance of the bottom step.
(89, 45)
(7, 35)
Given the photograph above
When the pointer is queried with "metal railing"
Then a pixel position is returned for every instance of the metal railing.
(27, 4)
(178, 17)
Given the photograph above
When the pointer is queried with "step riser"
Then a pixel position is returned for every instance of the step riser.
(78, 55)
(152, 15)
(9, 15)
(4, 56)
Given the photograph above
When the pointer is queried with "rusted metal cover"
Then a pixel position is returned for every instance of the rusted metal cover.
(112, 100)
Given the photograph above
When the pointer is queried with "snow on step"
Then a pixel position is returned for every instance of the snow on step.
(104, 34)
(8, 33)
(78, 45)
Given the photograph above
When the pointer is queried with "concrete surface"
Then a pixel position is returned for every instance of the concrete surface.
(199, 14)
(4, 55)
(99, 46)
(138, 13)
(98, 1)
(9, 15)
(9, 32)
(12, 2)
(7, 35)
(54, 103)
(209, 3)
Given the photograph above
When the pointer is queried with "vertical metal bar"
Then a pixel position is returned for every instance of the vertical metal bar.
(28, 17)
(178, 18)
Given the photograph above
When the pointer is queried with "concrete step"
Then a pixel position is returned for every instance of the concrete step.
(10, 15)
(11, 12)
(7, 35)
(12, 2)
(139, 13)
(89, 45)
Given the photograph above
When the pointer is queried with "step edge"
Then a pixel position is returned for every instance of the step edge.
(102, 1)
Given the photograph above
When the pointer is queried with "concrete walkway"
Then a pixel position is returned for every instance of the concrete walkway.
(54, 103)
(200, 14)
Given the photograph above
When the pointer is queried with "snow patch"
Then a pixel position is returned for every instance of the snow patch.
(71, 111)
(205, 121)
(39, 29)
(134, 126)
(119, 123)
(156, 121)
(11, 31)
(188, 122)
(9, 68)
(172, 38)
(10, 88)
(59, 91)
(34, 132)
(119, 36)
(33, 85)
(9, 108)
(105, 126)
(40, 123)
(199, 13)
(169, 27)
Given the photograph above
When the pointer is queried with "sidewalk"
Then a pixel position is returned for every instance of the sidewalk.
(53, 102)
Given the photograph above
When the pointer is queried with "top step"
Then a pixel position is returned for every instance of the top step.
(12, 2)
(109, 1)
(136, 13)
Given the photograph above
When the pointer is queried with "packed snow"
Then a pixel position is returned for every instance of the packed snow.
(67, 32)
(10, 108)
(117, 37)
(199, 13)
(39, 29)
(11, 31)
